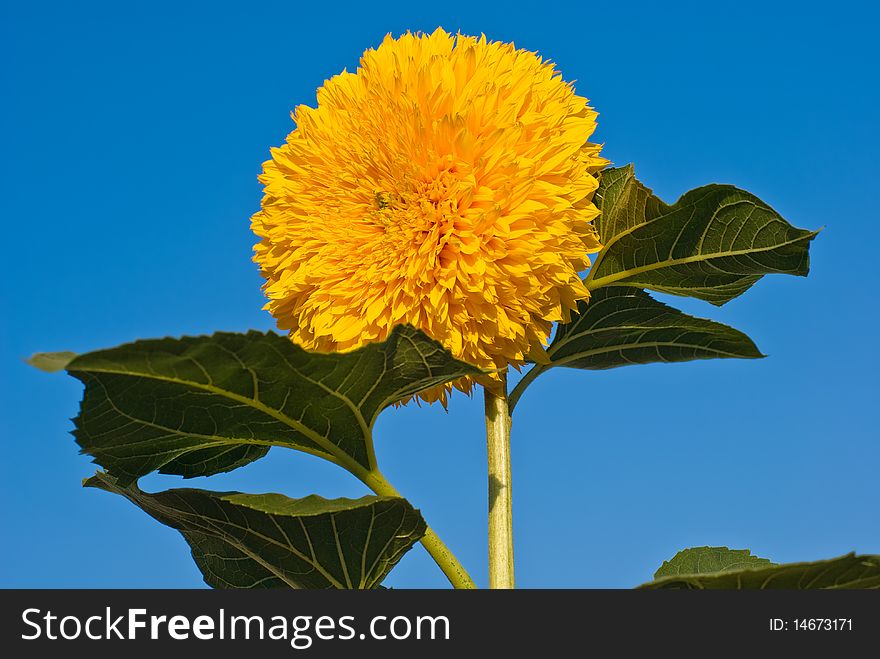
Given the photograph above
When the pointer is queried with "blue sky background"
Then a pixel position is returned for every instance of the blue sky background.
(132, 137)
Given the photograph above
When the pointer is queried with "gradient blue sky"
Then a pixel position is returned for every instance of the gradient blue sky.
(133, 137)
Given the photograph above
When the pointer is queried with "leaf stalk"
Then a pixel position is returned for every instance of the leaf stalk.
(445, 559)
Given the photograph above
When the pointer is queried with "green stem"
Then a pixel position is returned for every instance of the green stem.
(438, 550)
(500, 501)
(520, 387)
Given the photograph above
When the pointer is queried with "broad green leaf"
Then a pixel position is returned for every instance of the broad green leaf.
(619, 326)
(703, 560)
(201, 405)
(850, 571)
(269, 541)
(713, 244)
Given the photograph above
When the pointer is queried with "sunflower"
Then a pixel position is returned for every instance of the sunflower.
(447, 184)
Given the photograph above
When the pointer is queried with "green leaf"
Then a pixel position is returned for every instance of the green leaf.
(619, 326)
(713, 244)
(51, 361)
(201, 405)
(850, 571)
(269, 540)
(706, 560)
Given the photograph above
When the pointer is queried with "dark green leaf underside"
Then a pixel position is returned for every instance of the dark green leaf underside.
(202, 405)
(271, 541)
(619, 326)
(850, 571)
(702, 560)
(714, 243)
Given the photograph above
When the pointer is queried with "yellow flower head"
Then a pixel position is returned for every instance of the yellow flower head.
(446, 184)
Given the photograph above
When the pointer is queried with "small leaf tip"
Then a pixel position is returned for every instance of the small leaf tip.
(50, 362)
